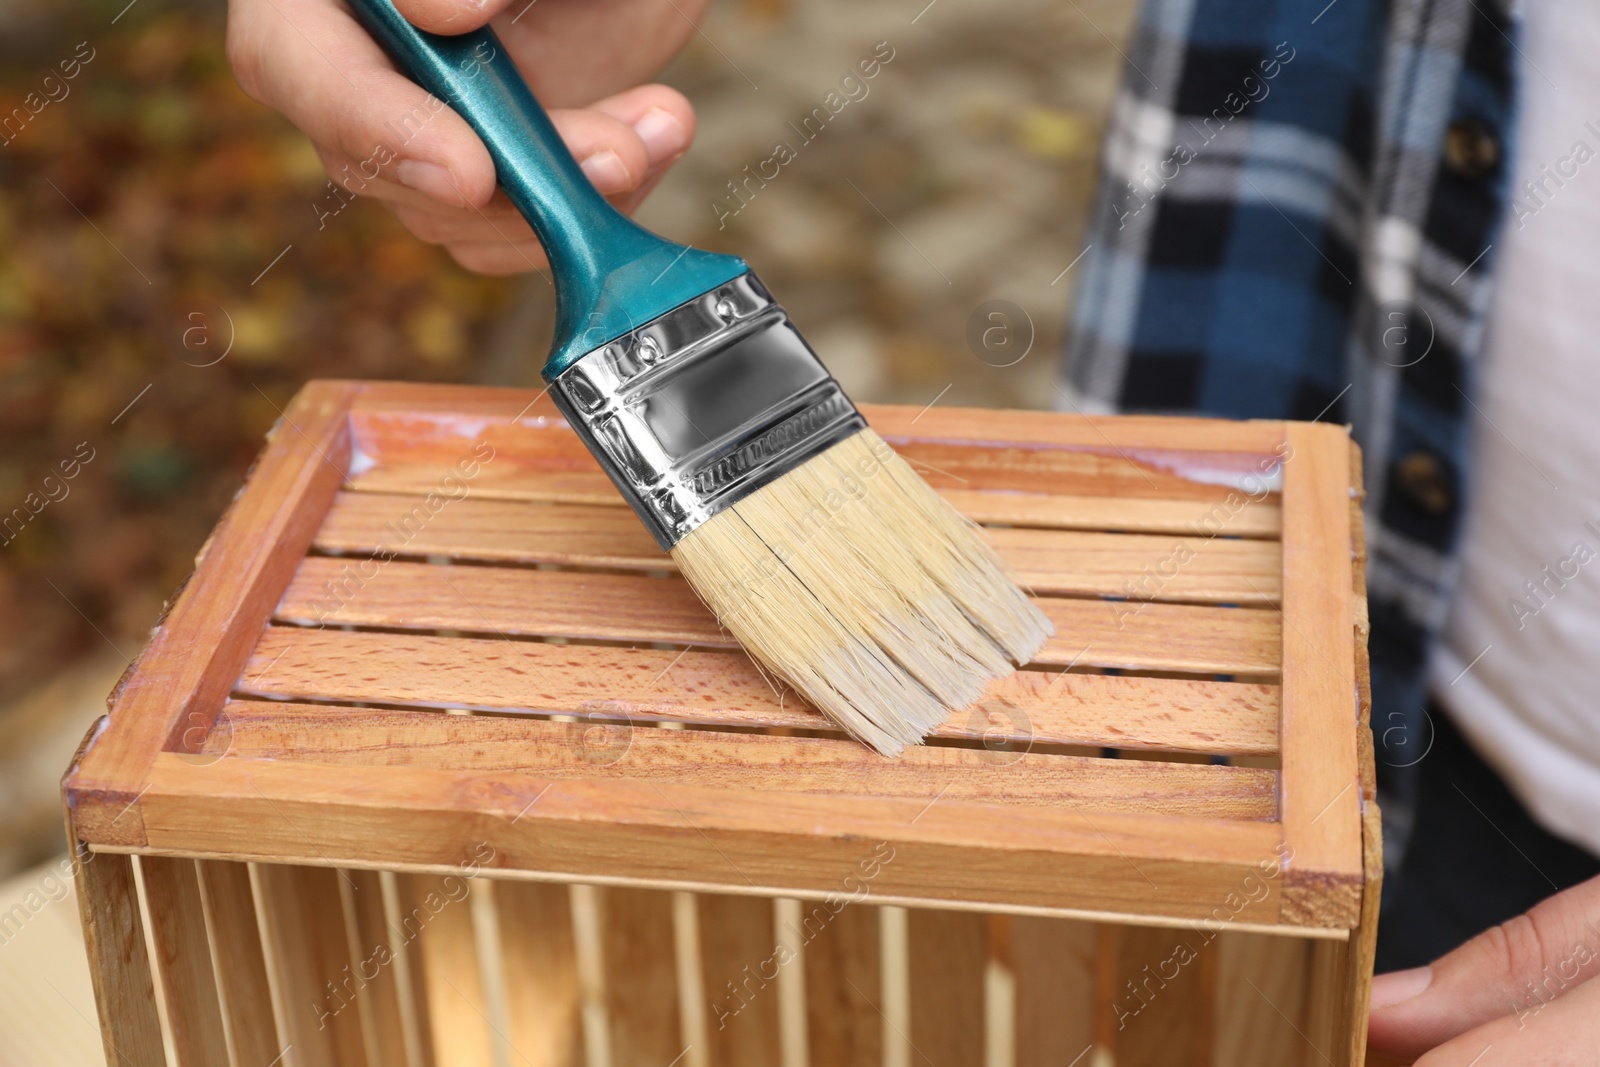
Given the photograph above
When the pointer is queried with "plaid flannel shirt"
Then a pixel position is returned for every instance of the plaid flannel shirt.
(1295, 220)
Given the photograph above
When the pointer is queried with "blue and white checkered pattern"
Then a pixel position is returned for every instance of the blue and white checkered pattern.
(1277, 235)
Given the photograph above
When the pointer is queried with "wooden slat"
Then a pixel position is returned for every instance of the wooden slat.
(1053, 960)
(1364, 939)
(319, 734)
(406, 914)
(308, 960)
(1142, 567)
(739, 967)
(1363, 945)
(180, 679)
(843, 983)
(541, 976)
(1329, 1021)
(1161, 637)
(416, 596)
(641, 986)
(1261, 997)
(183, 959)
(373, 950)
(230, 910)
(1127, 433)
(468, 408)
(1194, 568)
(1160, 997)
(949, 951)
(1320, 784)
(1255, 517)
(113, 936)
(1082, 469)
(509, 601)
(495, 530)
(539, 477)
(437, 918)
(415, 440)
(1171, 866)
(724, 688)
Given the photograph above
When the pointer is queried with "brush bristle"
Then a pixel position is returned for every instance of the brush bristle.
(865, 591)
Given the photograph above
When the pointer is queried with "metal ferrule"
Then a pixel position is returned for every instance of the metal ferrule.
(704, 405)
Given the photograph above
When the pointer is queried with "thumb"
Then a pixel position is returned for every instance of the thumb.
(450, 16)
(1510, 969)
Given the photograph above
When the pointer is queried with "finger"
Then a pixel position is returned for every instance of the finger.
(310, 60)
(497, 223)
(661, 118)
(1501, 972)
(500, 257)
(1563, 1033)
(619, 143)
(620, 43)
(465, 227)
(623, 161)
(630, 203)
(451, 16)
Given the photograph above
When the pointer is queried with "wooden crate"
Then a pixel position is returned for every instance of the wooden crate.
(434, 761)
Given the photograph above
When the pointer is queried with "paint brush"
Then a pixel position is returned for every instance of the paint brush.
(816, 546)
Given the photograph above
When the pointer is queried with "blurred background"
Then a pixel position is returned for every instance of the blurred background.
(165, 285)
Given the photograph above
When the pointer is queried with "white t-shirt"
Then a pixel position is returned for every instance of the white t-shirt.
(1519, 666)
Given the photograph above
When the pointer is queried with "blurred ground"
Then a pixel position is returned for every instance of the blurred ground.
(47, 1012)
(153, 218)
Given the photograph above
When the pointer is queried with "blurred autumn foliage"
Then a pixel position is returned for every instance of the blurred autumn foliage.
(152, 218)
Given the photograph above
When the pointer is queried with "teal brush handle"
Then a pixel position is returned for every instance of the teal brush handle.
(611, 274)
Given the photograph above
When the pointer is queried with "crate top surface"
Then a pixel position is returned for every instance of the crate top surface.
(429, 631)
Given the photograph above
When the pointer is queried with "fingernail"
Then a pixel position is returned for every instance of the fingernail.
(663, 135)
(1397, 986)
(429, 179)
(606, 170)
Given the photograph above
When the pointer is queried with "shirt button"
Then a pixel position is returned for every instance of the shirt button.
(1470, 149)
(1422, 480)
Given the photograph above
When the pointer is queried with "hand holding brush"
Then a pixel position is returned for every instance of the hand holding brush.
(814, 544)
